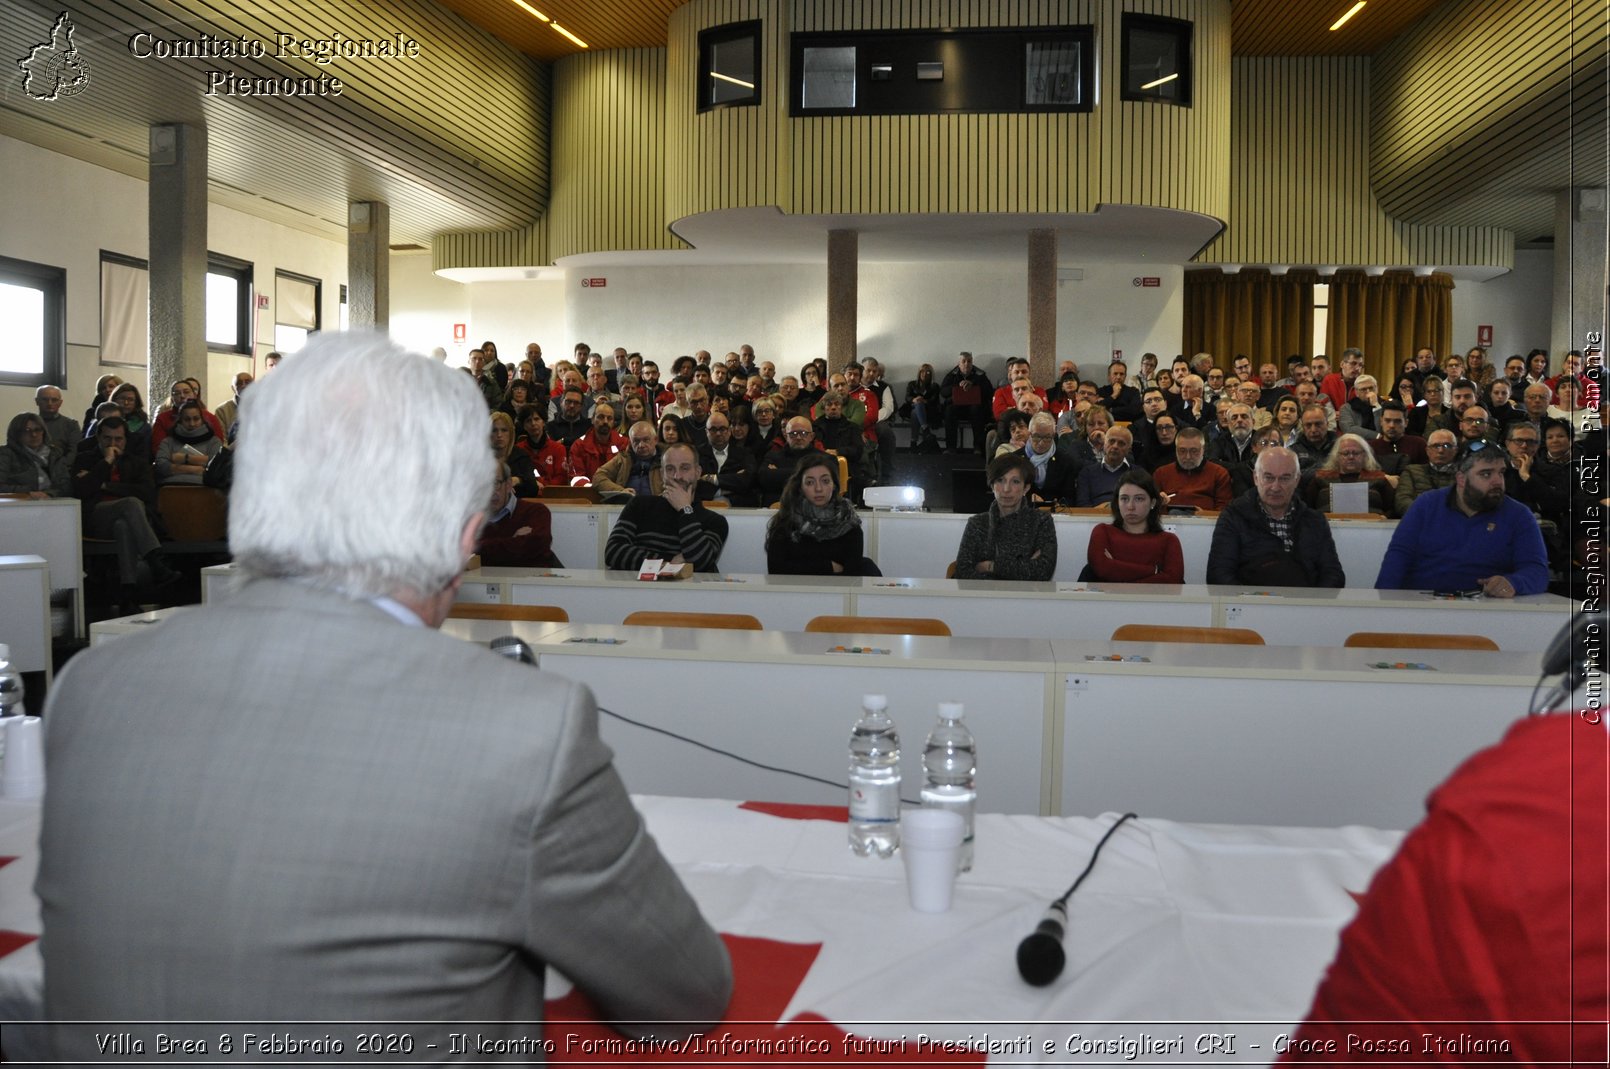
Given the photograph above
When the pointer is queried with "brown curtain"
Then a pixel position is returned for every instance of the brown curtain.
(1389, 317)
(1251, 313)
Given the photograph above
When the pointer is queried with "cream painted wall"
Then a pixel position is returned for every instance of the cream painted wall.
(63, 212)
(1517, 305)
(909, 313)
(424, 307)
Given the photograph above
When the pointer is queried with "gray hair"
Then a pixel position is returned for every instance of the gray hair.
(381, 410)
(1370, 462)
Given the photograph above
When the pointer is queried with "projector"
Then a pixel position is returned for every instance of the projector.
(897, 498)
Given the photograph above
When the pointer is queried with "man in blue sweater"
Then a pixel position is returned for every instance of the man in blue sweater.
(1468, 536)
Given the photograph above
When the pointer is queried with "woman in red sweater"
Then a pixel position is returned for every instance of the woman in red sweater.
(1134, 548)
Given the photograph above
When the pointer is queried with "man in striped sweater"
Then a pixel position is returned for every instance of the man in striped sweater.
(673, 527)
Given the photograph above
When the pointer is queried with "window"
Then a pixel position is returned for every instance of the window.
(33, 306)
(935, 72)
(1321, 314)
(1157, 59)
(229, 298)
(729, 65)
(125, 310)
(1054, 73)
(296, 310)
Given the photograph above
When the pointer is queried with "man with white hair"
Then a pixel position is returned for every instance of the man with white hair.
(1268, 537)
(382, 822)
(60, 429)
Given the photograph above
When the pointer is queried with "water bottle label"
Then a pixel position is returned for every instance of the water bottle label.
(871, 805)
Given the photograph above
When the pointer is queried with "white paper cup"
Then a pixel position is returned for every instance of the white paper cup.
(931, 842)
(22, 774)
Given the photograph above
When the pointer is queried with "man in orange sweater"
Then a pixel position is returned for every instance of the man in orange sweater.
(1190, 480)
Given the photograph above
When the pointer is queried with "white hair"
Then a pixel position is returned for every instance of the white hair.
(357, 467)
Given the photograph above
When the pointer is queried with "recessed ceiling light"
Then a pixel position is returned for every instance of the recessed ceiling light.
(568, 34)
(1354, 10)
(527, 7)
(540, 17)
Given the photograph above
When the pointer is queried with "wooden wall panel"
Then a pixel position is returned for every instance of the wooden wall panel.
(1119, 153)
(609, 137)
(1300, 182)
(1481, 111)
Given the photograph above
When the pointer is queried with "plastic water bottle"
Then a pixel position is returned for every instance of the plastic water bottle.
(874, 781)
(11, 693)
(951, 761)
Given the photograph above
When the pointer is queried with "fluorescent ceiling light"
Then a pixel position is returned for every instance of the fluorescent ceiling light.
(568, 34)
(527, 7)
(1354, 10)
(1160, 81)
(734, 81)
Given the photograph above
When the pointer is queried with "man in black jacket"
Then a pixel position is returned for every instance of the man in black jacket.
(119, 496)
(1123, 401)
(967, 393)
(1267, 537)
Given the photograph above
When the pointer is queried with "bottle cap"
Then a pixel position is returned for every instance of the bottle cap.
(875, 702)
(951, 710)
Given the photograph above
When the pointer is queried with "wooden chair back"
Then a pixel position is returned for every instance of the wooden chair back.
(728, 621)
(194, 513)
(1404, 640)
(880, 625)
(541, 613)
(570, 495)
(1215, 636)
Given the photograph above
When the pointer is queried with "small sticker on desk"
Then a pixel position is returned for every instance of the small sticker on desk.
(720, 579)
(598, 641)
(1080, 589)
(1403, 666)
(1452, 595)
(859, 649)
(1259, 594)
(898, 584)
(1132, 658)
(143, 622)
(549, 575)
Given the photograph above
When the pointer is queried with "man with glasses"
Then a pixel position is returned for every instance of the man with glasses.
(728, 471)
(1267, 537)
(1436, 473)
(1545, 489)
(1468, 536)
(799, 438)
(1338, 385)
(1055, 473)
(518, 531)
(1314, 441)
(1192, 481)
(1474, 426)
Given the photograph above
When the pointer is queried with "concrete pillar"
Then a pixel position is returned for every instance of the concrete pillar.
(1580, 244)
(1042, 351)
(843, 288)
(177, 210)
(369, 265)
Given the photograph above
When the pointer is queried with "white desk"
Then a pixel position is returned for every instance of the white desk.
(102, 631)
(1231, 924)
(50, 529)
(1327, 617)
(1276, 734)
(25, 612)
(783, 699)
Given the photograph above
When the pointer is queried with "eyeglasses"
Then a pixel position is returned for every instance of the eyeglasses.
(1525, 441)
(1439, 445)
(798, 434)
(1472, 419)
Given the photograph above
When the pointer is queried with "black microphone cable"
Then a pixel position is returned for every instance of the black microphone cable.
(1040, 956)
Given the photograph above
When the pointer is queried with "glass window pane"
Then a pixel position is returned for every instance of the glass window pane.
(288, 340)
(22, 310)
(1156, 62)
(223, 311)
(1052, 73)
(732, 70)
(828, 79)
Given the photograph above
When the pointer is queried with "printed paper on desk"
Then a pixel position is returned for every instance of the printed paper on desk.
(1350, 497)
(659, 569)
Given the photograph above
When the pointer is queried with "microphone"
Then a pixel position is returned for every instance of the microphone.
(1572, 654)
(1040, 957)
(514, 649)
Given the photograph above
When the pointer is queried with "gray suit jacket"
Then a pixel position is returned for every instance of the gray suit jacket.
(378, 823)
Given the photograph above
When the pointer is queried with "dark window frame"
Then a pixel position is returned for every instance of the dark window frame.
(1183, 29)
(1015, 39)
(52, 282)
(724, 34)
(241, 271)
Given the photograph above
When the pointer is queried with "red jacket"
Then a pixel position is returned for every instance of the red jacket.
(502, 546)
(550, 460)
(587, 455)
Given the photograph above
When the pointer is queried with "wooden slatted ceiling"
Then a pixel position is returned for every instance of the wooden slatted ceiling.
(1481, 111)
(1300, 191)
(395, 133)
(1302, 27)
(603, 24)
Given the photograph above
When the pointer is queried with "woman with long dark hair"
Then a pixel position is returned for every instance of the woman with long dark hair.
(816, 530)
(1134, 548)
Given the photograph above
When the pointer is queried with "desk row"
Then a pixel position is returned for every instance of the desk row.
(1292, 735)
